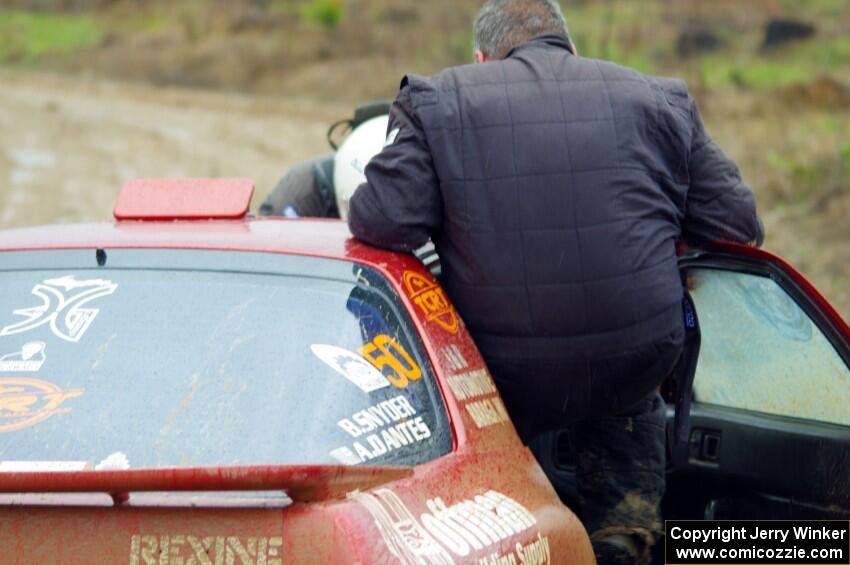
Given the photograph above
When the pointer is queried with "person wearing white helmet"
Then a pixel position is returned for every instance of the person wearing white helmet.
(350, 162)
(352, 156)
(320, 187)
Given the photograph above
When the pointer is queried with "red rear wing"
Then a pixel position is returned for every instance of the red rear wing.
(302, 483)
(184, 199)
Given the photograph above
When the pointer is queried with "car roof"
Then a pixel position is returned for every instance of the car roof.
(313, 237)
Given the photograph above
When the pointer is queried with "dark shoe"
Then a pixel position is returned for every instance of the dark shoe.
(620, 549)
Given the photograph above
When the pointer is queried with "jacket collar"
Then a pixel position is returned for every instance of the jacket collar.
(552, 40)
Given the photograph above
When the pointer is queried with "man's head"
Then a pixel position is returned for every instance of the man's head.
(501, 25)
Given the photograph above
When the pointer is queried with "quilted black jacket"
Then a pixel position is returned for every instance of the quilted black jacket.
(555, 188)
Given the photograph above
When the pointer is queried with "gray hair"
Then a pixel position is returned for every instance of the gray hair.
(502, 25)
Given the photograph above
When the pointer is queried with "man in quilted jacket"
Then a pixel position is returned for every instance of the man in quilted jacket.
(555, 188)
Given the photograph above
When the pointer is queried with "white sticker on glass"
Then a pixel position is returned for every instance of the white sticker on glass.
(41, 466)
(62, 307)
(351, 366)
(28, 360)
(345, 456)
(381, 429)
(115, 462)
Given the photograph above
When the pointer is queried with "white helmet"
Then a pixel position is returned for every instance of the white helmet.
(351, 158)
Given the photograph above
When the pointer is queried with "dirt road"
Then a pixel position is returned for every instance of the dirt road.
(67, 144)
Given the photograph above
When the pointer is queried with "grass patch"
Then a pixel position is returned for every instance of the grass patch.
(797, 63)
(619, 31)
(845, 156)
(759, 74)
(30, 35)
(149, 24)
(326, 14)
(797, 9)
(823, 52)
(459, 46)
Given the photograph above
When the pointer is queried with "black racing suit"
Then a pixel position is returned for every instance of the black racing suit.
(305, 191)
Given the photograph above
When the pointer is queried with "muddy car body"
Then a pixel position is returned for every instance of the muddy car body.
(153, 411)
(175, 387)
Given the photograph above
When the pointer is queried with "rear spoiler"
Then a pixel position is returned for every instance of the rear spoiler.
(302, 483)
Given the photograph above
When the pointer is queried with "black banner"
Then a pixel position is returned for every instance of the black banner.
(761, 542)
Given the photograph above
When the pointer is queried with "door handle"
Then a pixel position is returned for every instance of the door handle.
(705, 445)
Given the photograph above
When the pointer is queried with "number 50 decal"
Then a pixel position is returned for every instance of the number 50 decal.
(384, 351)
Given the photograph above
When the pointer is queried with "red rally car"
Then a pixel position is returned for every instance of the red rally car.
(190, 385)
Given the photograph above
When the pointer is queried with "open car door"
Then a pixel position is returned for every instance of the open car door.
(770, 424)
(769, 432)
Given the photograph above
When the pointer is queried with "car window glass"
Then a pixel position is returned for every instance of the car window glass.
(155, 361)
(761, 352)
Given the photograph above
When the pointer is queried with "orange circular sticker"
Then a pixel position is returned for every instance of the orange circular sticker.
(431, 301)
(25, 402)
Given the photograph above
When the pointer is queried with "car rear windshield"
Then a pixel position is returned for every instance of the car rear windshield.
(147, 358)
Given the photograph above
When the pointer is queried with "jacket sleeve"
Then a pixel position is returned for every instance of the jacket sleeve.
(720, 205)
(300, 192)
(400, 205)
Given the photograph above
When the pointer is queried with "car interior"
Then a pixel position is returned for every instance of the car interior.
(769, 429)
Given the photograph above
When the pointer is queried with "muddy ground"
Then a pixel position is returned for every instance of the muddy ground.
(67, 144)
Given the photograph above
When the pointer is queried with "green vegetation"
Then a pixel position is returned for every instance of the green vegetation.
(327, 14)
(616, 31)
(845, 155)
(798, 9)
(151, 23)
(797, 63)
(29, 35)
(639, 35)
(762, 74)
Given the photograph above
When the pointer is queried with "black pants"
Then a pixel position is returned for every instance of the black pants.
(616, 420)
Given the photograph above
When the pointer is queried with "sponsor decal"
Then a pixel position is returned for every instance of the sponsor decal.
(345, 456)
(472, 384)
(454, 358)
(205, 550)
(385, 352)
(351, 366)
(62, 307)
(533, 553)
(381, 429)
(431, 300)
(445, 532)
(28, 360)
(488, 412)
(480, 396)
(26, 402)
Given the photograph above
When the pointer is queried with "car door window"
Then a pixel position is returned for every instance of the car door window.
(762, 352)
